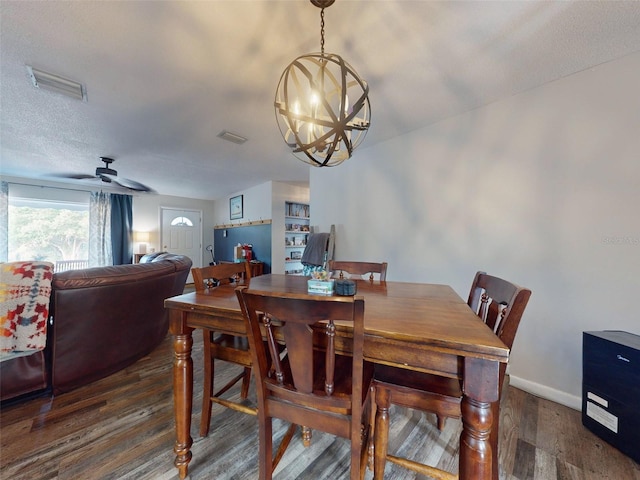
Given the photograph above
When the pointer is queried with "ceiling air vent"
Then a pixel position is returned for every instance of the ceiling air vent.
(232, 137)
(56, 83)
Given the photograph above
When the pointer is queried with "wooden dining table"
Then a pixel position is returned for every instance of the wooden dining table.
(417, 326)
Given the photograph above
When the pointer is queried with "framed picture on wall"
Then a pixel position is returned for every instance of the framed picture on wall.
(235, 207)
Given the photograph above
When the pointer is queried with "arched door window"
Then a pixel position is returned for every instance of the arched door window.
(181, 222)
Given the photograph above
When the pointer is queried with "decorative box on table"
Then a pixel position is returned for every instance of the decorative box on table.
(321, 287)
(345, 287)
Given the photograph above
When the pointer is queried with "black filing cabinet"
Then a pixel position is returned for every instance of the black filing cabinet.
(611, 388)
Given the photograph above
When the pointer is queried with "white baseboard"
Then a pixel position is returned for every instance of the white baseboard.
(548, 393)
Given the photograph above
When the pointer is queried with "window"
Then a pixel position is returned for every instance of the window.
(181, 222)
(54, 229)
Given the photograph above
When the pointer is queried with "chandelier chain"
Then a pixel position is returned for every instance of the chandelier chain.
(322, 31)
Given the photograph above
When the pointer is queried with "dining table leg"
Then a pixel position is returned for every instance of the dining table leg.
(182, 389)
(480, 388)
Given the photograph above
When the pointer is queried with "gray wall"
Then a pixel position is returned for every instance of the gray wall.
(542, 188)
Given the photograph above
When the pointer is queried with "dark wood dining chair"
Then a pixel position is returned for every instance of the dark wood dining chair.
(312, 384)
(500, 304)
(229, 348)
(359, 269)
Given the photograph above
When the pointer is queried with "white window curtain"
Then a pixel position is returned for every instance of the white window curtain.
(100, 230)
(4, 221)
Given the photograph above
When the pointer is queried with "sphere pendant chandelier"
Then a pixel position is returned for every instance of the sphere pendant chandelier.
(322, 105)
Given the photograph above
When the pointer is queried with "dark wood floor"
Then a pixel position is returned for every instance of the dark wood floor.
(122, 428)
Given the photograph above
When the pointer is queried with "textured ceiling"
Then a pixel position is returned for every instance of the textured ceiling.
(163, 78)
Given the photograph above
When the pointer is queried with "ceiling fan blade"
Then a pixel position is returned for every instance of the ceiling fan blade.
(75, 176)
(127, 183)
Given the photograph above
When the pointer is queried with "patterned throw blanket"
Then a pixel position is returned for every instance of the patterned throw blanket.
(25, 289)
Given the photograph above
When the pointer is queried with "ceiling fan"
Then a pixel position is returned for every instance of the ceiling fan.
(109, 175)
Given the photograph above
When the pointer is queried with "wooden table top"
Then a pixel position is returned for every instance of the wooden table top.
(429, 316)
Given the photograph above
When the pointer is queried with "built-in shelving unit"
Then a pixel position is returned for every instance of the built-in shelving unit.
(296, 234)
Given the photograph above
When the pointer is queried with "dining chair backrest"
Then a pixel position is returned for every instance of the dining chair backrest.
(358, 269)
(221, 346)
(499, 303)
(219, 274)
(293, 319)
(312, 385)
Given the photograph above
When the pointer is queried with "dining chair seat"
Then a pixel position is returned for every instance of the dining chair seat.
(444, 395)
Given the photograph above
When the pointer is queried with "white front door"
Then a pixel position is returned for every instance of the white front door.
(182, 234)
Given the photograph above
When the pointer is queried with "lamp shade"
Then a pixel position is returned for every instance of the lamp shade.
(142, 237)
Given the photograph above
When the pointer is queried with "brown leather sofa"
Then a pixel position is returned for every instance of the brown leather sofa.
(103, 319)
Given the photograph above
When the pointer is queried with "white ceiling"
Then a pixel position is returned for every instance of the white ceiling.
(163, 78)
